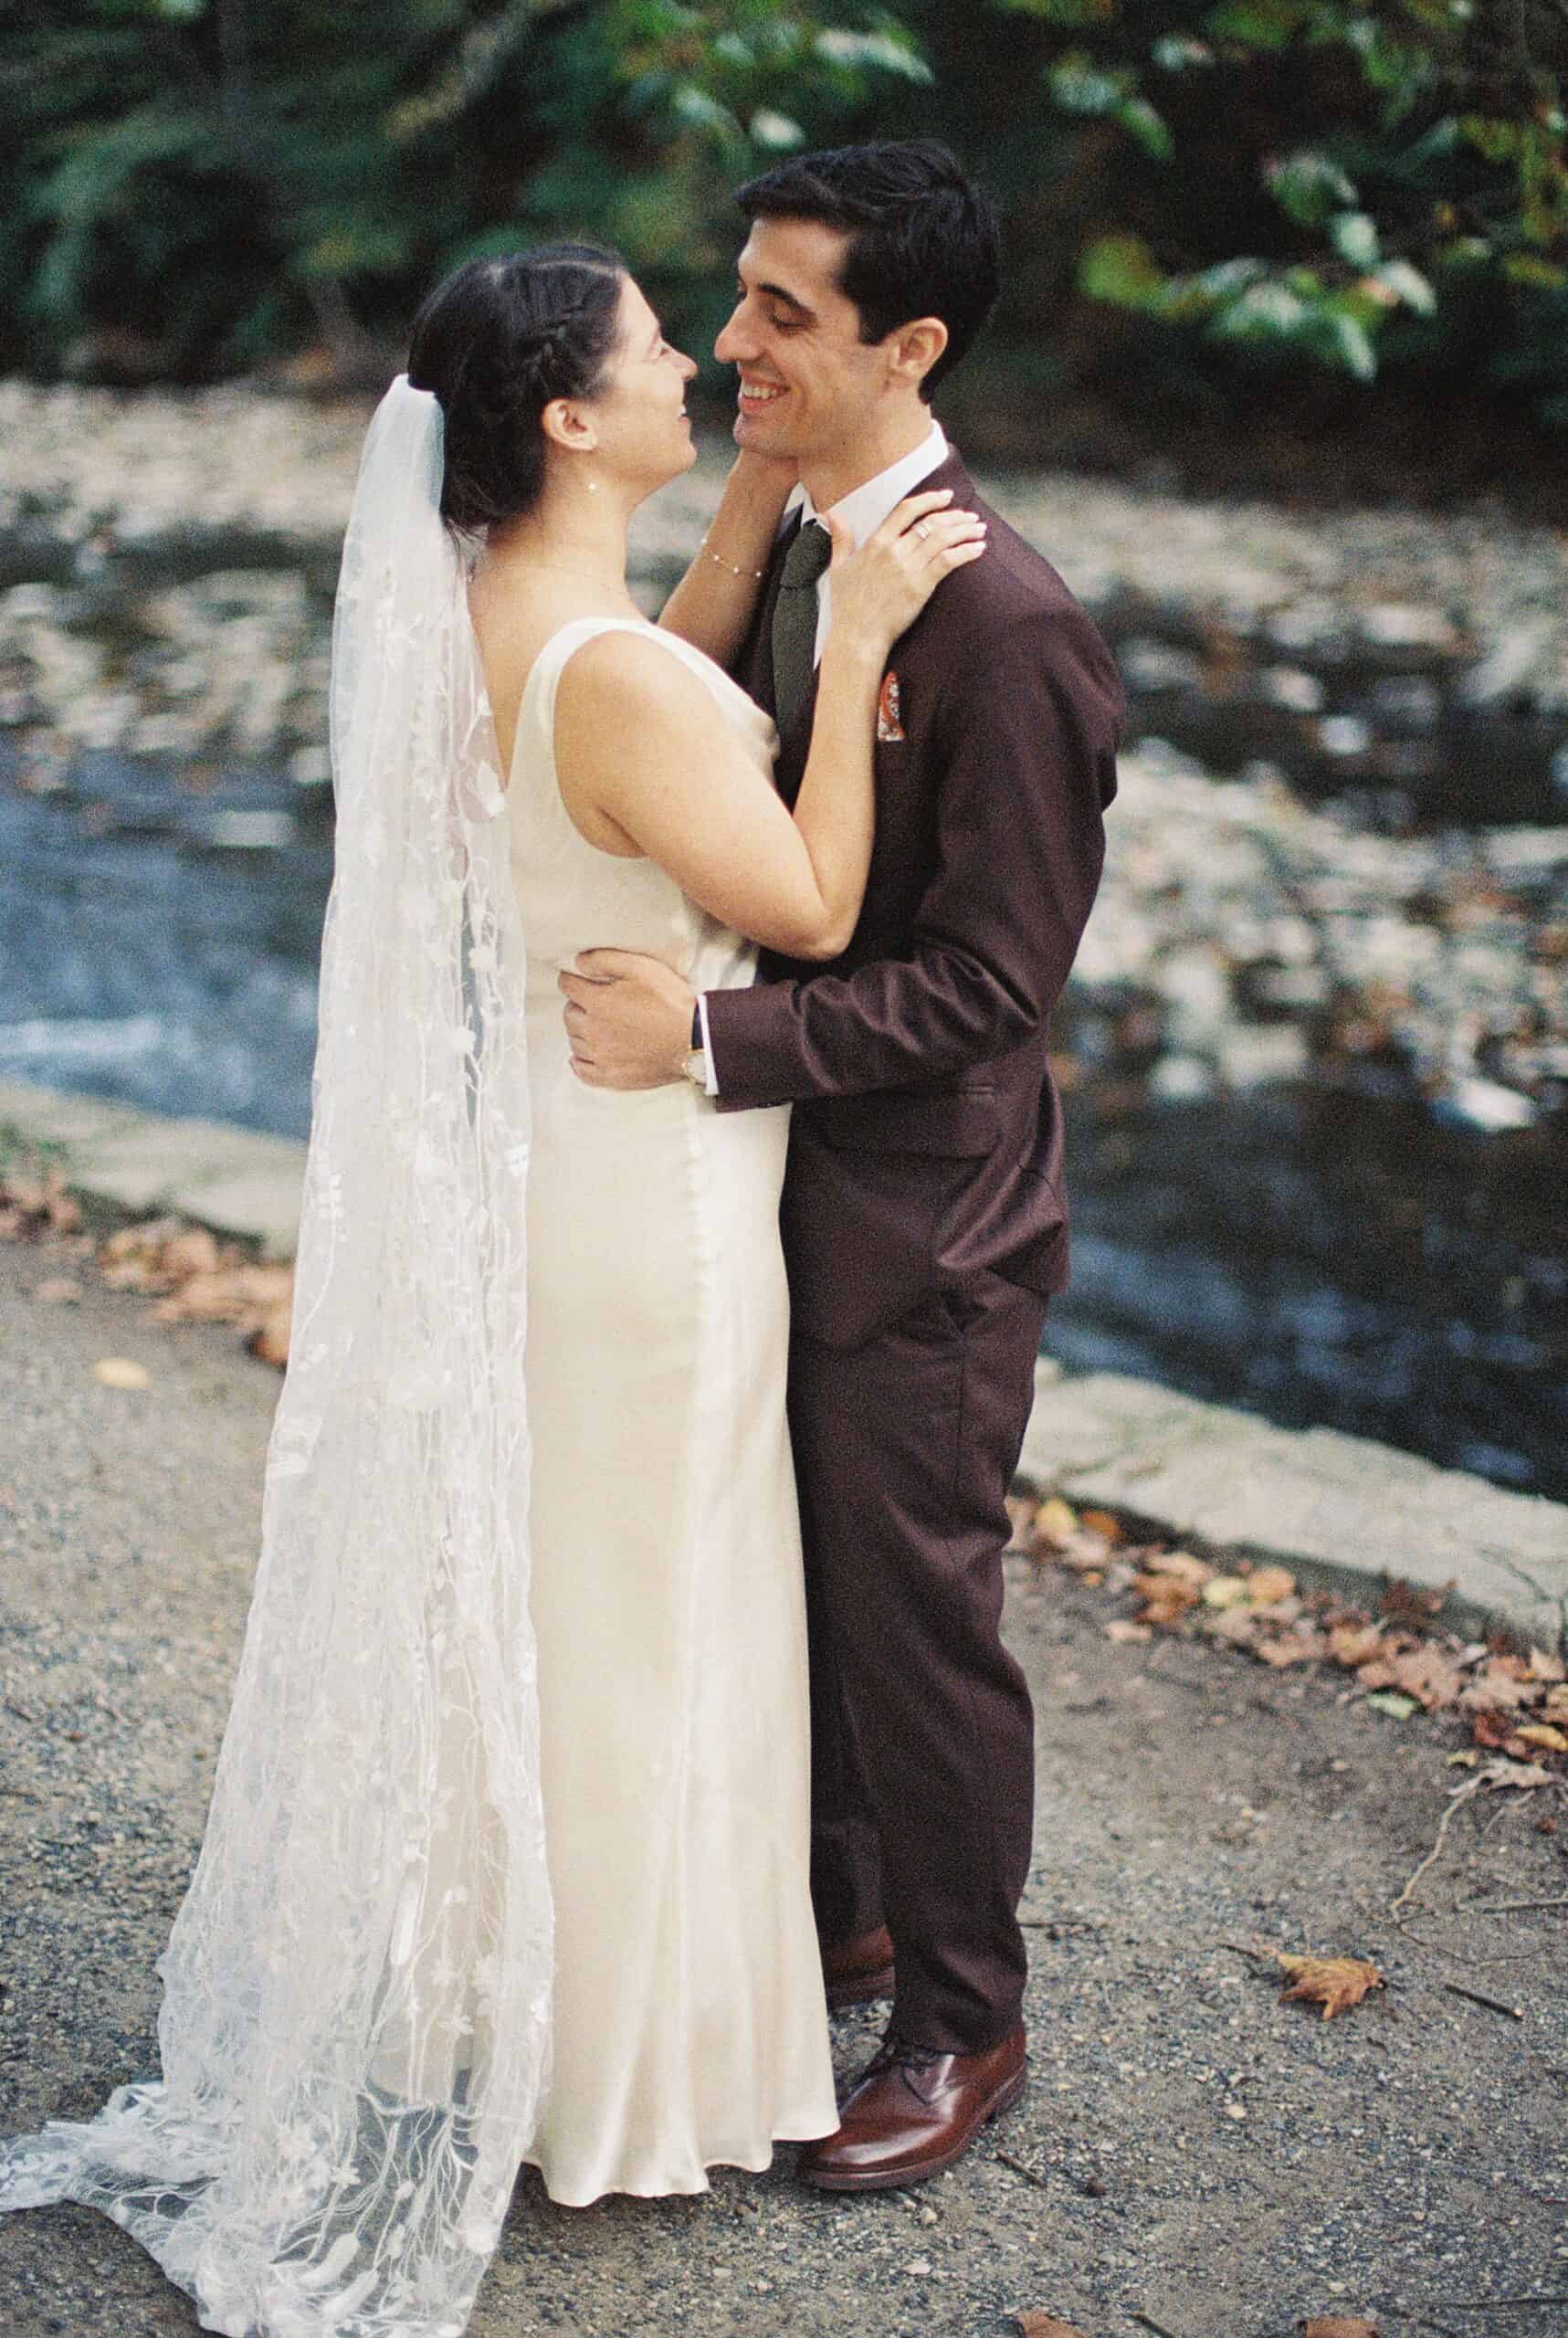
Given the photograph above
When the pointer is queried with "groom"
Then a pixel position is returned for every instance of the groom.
(923, 1219)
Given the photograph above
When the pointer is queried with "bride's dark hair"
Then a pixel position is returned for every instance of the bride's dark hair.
(496, 342)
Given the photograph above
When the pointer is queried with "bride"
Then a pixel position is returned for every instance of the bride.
(507, 1856)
